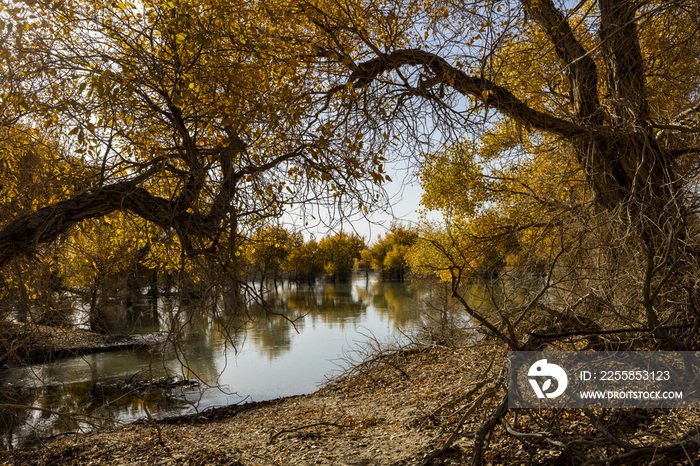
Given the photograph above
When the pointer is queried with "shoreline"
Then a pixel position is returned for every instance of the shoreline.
(385, 414)
(37, 344)
(396, 408)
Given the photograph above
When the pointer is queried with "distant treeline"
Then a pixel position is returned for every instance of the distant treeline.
(275, 253)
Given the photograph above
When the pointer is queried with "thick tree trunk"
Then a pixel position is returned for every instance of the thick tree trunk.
(22, 235)
(25, 233)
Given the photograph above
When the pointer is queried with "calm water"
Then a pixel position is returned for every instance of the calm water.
(261, 357)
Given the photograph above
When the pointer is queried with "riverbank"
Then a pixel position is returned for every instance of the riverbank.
(396, 410)
(22, 343)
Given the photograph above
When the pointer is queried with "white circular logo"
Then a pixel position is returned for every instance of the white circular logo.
(544, 372)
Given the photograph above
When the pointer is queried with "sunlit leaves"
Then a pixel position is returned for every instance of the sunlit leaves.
(34, 172)
(390, 253)
(500, 198)
(338, 253)
(213, 107)
(268, 249)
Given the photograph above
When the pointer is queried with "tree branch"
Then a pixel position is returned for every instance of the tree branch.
(23, 234)
(485, 90)
(582, 70)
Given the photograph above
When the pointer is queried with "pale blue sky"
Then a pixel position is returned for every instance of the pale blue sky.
(404, 192)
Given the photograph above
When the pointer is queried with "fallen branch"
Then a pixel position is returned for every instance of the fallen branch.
(486, 428)
(308, 426)
(477, 402)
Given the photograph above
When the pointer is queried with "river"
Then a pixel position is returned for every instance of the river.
(260, 357)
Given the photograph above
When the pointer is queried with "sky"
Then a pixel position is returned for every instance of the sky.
(404, 192)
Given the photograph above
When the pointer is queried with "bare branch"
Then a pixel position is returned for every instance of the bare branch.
(482, 89)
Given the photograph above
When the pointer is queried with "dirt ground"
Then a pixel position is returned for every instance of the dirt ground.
(387, 414)
(397, 409)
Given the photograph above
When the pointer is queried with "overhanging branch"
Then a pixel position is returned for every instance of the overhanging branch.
(23, 234)
(485, 90)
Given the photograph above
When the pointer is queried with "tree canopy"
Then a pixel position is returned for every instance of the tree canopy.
(197, 117)
(560, 140)
(571, 120)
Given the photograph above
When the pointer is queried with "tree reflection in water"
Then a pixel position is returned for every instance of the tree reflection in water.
(257, 352)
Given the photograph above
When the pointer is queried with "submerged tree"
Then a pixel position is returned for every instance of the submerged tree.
(268, 250)
(338, 253)
(304, 263)
(390, 254)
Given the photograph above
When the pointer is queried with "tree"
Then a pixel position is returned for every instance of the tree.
(268, 250)
(581, 124)
(390, 254)
(364, 263)
(34, 171)
(304, 262)
(591, 96)
(113, 258)
(196, 121)
(338, 253)
(196, 117)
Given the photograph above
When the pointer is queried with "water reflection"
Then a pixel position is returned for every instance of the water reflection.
(286, 347)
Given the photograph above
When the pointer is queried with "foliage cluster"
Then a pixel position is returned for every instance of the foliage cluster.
(390, 254)
(274, 253)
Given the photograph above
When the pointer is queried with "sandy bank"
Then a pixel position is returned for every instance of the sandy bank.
(392, 413)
